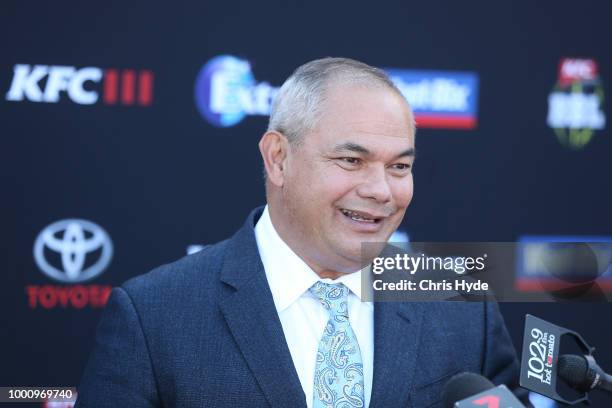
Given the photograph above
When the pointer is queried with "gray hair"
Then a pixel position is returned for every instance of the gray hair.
(299, 102)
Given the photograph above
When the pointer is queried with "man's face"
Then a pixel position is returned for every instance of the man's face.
(350, 179)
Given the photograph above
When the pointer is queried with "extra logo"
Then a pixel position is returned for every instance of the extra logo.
(575, 106)
(71, 251)
(226, 92)
(84, 86)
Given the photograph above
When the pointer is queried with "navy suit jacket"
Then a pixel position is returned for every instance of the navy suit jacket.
(204, 332)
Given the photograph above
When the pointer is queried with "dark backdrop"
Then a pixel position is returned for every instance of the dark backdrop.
(158, 177)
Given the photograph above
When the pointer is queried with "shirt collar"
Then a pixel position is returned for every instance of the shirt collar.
(287, 274)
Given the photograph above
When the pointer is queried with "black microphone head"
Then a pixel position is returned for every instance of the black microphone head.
(464, 385)
(574, 370)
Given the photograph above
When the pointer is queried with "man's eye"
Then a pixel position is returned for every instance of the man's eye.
(351, 160)
(401, 166)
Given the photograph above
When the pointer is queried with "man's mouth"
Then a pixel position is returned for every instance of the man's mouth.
(361, 216)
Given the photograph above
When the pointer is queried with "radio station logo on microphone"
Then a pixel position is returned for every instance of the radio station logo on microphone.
(71, 252)
(83, 86)
(575, 105)
(226, 92)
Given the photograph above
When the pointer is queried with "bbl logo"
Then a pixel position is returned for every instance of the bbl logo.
(575, 106)
(73, 241)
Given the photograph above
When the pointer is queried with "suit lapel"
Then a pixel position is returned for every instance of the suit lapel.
(251, 316)
(397, 329)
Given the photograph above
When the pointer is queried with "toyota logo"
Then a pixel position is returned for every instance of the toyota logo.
(73, 240)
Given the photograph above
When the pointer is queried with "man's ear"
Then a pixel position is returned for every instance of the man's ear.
(274, 147)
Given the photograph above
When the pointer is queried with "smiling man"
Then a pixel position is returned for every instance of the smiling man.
(338, 155)
(273, 316)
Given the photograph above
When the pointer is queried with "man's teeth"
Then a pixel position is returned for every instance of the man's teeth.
(354, 216)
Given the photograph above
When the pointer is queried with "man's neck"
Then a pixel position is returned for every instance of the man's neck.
(323, 272)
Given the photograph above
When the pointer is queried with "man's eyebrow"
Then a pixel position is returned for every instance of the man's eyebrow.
(354, 147)
(407, 152)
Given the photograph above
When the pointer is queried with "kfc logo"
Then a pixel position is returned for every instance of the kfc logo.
(51, 83)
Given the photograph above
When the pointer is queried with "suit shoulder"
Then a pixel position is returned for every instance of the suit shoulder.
(199, 269)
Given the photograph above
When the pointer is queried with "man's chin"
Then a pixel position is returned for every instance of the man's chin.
(359, 256)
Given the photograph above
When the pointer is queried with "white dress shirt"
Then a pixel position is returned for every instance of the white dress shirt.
(302, 316)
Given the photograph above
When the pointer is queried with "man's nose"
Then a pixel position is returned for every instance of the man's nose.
(375, 185)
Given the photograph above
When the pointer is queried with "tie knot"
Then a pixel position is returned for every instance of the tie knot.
(333, 297)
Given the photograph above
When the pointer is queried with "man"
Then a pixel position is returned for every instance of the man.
(272, 316)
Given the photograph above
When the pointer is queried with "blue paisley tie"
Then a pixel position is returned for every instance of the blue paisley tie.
(338, 381)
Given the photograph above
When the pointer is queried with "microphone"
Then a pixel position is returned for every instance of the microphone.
(583, 373)
(542, 364)
(470, 390)
(463, 385)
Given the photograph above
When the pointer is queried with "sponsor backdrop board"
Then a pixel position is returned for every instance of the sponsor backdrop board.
(129, 135)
